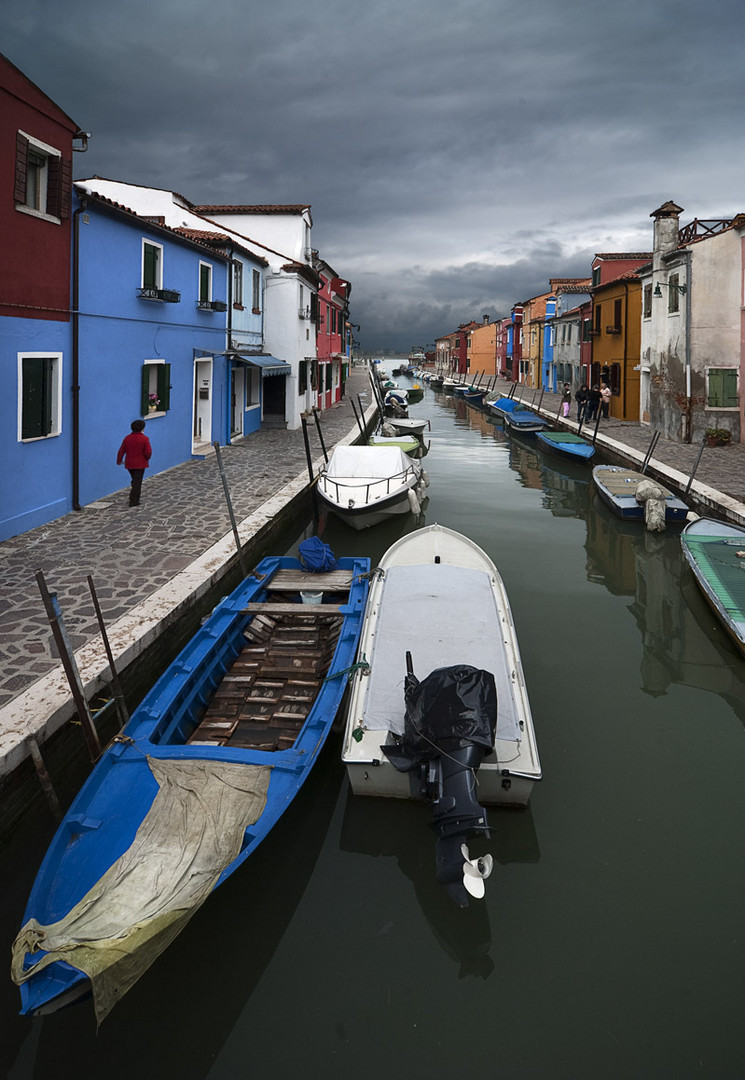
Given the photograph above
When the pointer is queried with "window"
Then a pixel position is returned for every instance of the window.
(43, 179)
(615, 378)
(647, 303)
(256, 292)
(302, 378)
(152, 265)
(586, 328)
(39, 398)
(617, 314)
(596, 276)
(238, 284)
(253, 386)
(598, 309)
(721, 388)
(205, 283)
(156, 387)
(673, 296)
(569, 334)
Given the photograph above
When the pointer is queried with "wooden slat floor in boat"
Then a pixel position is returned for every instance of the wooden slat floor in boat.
(266, 695)
(296, 581)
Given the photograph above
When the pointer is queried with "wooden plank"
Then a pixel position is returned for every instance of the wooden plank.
(296, 580)
(294, 609)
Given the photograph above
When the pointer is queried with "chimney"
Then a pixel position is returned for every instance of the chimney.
(666, 229)
(485, 318)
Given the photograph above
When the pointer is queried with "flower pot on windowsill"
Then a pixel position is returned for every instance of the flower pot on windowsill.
(152, 408)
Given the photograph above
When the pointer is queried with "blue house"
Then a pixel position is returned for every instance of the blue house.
(548, 371)
(149, 318)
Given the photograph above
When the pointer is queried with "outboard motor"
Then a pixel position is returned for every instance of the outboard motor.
(449, 727)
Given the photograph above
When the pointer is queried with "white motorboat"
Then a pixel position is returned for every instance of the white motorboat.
(364, 485)
(438, 597)
(406, 425)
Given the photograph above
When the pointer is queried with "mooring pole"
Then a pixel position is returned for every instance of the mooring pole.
(362, 415)
(309, 459)
(650, 451)
(693, 472)
(233, 523)
(121, 705)
(44, 778)
(67, 656)
(320, 433)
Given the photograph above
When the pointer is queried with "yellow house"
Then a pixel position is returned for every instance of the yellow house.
(616, 342)
(534, 327)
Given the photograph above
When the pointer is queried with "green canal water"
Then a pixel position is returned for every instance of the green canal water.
(611, 943)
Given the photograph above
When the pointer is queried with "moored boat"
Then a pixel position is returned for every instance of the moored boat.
(567, 444)
(364, 485)
(623, 490)
(438, 596)
(715, 552)
(410, 444)
(197, 779)
(406, 425)
(515, 416)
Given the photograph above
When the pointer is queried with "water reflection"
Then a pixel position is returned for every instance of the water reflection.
(393, 828)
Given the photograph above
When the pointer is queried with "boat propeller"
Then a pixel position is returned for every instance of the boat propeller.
(475, 871)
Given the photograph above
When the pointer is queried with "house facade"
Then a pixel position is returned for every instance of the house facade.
(483, 348)
(692, 327)
(36, 331)
(331, 337)
(616, 342)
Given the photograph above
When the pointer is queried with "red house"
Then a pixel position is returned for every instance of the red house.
(333, 310)
(36, 167)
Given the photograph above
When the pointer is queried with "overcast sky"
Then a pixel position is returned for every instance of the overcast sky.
(455, 156)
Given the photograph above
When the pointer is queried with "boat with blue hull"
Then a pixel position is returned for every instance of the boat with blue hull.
(618, 486)
(516, 417)
(715, 552)
(199, 776)
(566, 444)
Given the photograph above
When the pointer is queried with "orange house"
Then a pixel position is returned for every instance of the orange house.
(616, 342)
(483, 348)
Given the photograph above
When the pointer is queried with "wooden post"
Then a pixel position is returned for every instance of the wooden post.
(233, 523)
(121, 705)
(44, 778)
(693, 472)
(320, 434)
(67, 656)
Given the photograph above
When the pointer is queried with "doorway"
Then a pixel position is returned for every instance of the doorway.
(202, 422)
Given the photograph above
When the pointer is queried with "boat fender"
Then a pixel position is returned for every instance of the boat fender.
(652, 498)
(414, 503)
(425, 478)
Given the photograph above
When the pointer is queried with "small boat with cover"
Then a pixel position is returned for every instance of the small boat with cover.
(199, 776)
(715, 552)
(516, 417)
(566, 444)
(462, 736)
(635, 497)
(364, 485)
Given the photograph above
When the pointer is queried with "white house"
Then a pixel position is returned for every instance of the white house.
(692, 343)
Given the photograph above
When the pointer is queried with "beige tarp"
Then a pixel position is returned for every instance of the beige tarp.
(192, 831)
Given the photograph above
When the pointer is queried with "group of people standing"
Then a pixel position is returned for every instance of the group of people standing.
(589, 400)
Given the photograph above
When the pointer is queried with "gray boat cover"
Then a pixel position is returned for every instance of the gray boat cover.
(443, 615)
(192, 832)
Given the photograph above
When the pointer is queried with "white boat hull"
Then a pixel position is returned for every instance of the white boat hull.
(450, 611)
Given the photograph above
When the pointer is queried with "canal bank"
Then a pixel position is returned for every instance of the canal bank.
(156, 568)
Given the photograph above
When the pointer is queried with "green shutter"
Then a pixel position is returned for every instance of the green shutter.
(145, 390)
(729, 389)
(204, 282)
(150, 267)
(164, 387)
(714, 400)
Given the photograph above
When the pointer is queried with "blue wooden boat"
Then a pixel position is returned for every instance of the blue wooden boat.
(715, 552)
(617, 488)
(567, 444)
(516, 417)
(197, 779)
(474, 394)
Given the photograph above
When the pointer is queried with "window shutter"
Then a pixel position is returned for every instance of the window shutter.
(19, 189)
(59, 187)
(36, 418)
(149, 267)
(204, 282)
(729, 389)
(164, 386)
(145, 390)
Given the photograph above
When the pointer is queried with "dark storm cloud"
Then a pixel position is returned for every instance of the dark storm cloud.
(456, 156)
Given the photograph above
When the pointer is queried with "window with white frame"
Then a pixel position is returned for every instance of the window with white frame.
(205, 283)
(39, 397)
(43, 179)
(238, 284)
(721, 388)
(155, 387)
(253, 386)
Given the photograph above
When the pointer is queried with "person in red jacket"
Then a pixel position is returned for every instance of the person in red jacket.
(135, 452)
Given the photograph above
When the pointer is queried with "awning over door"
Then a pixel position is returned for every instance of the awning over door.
(269, 365)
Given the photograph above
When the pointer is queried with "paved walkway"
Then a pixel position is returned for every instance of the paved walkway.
(133, 553)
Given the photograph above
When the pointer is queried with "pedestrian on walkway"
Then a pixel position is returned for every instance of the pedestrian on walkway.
(135, 453)
(566, 400)
(581, 398)
(593, 402)
(605, 395)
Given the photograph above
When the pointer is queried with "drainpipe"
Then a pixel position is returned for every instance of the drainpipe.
(689, 402)
(625, 344)
(76, 354)
(229, 343)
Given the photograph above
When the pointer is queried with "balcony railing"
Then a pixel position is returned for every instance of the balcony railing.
(212, 305)
(168, 296)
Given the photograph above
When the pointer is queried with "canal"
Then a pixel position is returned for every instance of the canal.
(612, 940)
